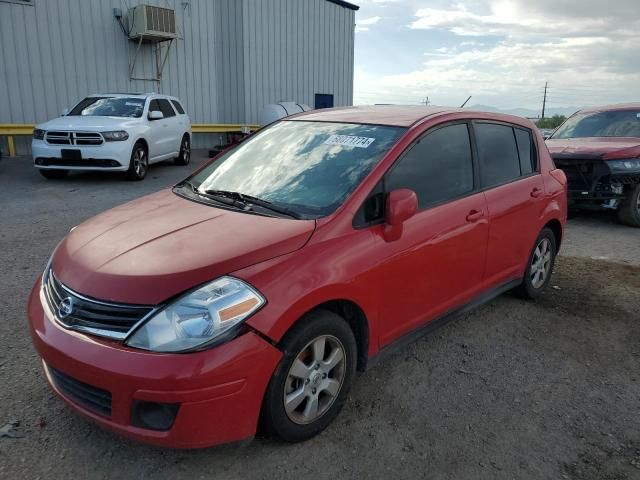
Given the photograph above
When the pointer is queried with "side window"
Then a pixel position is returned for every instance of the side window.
(166, 108)
(438, 167)
(527, 153)
(497, 152)
(178, 107)
(154, 106)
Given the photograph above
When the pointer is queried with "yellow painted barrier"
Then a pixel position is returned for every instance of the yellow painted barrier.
(10, 130)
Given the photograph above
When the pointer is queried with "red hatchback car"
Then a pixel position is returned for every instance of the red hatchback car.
(254, 290)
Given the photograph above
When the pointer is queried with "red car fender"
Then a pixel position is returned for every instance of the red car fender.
(309, 290)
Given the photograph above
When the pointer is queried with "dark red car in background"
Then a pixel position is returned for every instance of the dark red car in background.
(599, 151)
(255, 289)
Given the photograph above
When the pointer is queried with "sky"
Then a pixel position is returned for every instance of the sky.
(499, 51)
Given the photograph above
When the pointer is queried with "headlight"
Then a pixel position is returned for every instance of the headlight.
(116, 136)
(626, 165)
(38, 134)
(198, 318)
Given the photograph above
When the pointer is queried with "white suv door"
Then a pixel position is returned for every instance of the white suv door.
(159, 144)
(173, 130)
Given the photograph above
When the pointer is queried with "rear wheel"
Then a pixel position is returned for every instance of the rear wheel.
(629, 212)
(185, 151)
(139, 162)
(540, 266)
(53, 174)
(312, 381)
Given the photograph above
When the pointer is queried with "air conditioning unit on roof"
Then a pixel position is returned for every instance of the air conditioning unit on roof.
(151, 23)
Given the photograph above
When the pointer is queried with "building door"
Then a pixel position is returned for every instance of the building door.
(324, 100)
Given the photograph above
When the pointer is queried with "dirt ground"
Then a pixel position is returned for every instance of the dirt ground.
(516, 389)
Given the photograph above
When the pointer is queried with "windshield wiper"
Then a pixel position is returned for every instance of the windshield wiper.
(249, 200)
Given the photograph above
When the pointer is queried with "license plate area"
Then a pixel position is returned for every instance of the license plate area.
(71, 154)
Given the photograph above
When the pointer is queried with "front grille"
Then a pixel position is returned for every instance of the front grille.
(583, 172)
(85, 162)
(73, 138)
(87, 396)
(77, 312)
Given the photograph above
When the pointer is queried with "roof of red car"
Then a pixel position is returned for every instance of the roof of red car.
(618, 106)
(398, 115)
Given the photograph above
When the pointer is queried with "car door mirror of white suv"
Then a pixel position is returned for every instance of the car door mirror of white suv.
(156, 115)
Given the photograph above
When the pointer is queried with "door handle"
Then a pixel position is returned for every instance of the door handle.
(536, 192)
(475, 215)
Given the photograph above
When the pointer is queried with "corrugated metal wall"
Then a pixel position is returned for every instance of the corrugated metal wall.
(232, 57)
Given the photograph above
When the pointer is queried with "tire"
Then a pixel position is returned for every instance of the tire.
(139, 162)
(326, 387)
(535, 282)
(185, 151)
(53, 174)
(629, 211)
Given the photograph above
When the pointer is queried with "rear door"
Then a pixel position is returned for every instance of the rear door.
(514, 189)
(438, 261)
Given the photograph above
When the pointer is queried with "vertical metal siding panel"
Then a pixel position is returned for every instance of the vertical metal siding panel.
(26, 108)
(9, 65)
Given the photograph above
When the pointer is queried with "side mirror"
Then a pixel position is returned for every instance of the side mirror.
(65, 112)
(155, 115)
(402, 204)
(546, 136)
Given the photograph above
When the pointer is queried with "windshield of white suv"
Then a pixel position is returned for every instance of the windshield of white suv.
(304, 168)
(616, 123)
(110, 107)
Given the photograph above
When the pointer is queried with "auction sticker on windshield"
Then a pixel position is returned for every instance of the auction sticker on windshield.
(349, 141)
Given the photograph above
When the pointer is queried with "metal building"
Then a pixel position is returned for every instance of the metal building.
(226, 59)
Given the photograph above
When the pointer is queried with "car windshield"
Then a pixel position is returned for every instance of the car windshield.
(309, 168)
(110, 107)
(617, 123)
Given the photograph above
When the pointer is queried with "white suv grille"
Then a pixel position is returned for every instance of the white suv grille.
(73, 138)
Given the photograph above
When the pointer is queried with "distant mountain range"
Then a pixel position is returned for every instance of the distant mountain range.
(526, 112)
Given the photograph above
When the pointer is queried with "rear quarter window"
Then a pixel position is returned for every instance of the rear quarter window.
(178, 107)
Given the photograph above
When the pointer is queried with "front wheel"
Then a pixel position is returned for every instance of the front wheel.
(629, 212)
(185, 151)
(139, 163)
(540, 266)
(312, 381)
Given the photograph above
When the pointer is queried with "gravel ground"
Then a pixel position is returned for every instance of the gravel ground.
(515, 389)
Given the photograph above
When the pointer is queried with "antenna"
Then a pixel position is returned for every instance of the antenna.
(465, 102)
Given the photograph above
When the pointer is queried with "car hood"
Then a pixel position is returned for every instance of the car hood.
(88, 122)
(607, 148)
(153, 248)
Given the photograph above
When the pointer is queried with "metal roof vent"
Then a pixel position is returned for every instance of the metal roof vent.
(151, 23)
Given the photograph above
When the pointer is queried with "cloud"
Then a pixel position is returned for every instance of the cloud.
(503, 51)
(363, 25)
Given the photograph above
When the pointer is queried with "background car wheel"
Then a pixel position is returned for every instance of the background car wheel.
(312, 381)
(53, 174)
(629, 212)
(139, 163)
(185, 151)
(540, 266)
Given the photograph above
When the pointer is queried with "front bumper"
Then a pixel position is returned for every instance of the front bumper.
(110, 156)
(219, 391)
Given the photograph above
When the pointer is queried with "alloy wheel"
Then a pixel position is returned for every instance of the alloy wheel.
(314, 379)
(140, 162)
(540, 263)
(186, 151)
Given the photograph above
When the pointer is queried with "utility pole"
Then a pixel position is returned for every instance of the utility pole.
(544, 99)
(426, 102)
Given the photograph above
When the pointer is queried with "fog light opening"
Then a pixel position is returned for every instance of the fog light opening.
(154, 416)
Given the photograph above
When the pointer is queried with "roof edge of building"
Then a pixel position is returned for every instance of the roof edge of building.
(344, 4)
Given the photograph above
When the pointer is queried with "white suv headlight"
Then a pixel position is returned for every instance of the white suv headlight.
(116, 136)
(198, 318)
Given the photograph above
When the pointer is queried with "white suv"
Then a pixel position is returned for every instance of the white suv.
(113, 132)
